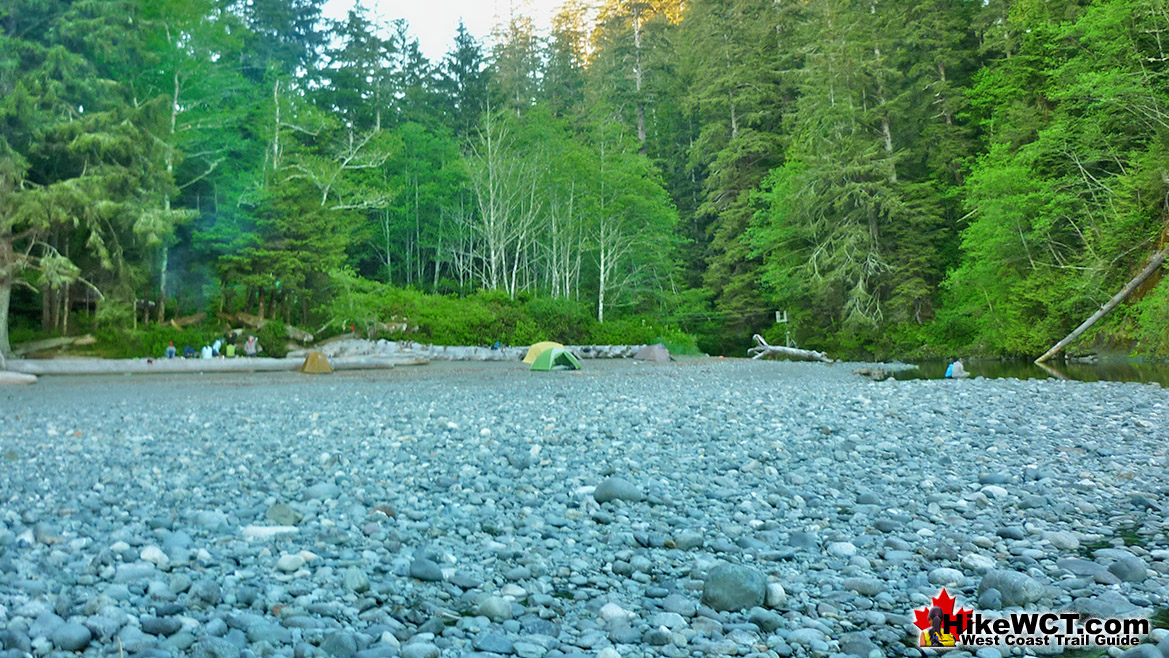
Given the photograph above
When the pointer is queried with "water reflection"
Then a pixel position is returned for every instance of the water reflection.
(1107, 370)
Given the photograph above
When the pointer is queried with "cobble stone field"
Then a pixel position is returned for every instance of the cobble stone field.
(702, 508)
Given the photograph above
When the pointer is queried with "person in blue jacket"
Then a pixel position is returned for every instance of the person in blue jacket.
(956, 370)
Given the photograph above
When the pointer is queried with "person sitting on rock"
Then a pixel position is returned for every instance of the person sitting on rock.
(205, 353)
(251, 347)
(170, 350)
(216, 346)
(188, 352)
(956, 370)
(229, 351)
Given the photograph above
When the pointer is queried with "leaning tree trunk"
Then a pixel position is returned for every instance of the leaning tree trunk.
(1153, 265)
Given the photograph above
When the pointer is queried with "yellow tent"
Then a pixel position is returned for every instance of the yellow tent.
(316, 364)
(538, 349)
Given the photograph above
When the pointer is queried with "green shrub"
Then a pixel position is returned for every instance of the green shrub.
(562, 320)
(112, 312)
(151, 341)
(624, 331)
(526, 332)
(25, 334)
(678, 342)
(488, 316)
(1152, 317)
(273, 338)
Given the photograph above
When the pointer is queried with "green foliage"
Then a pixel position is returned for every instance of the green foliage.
(901, 179)
(151, 341)
(486, 317)
(569, 322)
(273, 338)
(1066, 202)
(1152, 318)
(114, 312)
(678, 342)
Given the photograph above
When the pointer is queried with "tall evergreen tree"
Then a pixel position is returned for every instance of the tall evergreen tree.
(357, 83)
(463, 82)
(631, 46)
(730, 52)
(563, 79)
(516, 62)
(856, 229)
(81, 181)
(413, 77)
(286, 35)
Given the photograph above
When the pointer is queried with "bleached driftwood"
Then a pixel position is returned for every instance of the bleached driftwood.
(762, 349)
(875, 374)
(25, 349)
(179, 323)
(257, 322)
(177, 366)
(7, 377)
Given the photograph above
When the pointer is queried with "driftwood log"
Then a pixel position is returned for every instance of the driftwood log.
(7, 378)
(179, 323)
(762, 349)
(257, 322)
(875, 374)
(192, 366)
(25, 349)
(1153, 265)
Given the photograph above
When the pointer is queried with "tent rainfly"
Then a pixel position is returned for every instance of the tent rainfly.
(538, 349)
(316, 364)
(657, 353)
(554, 357)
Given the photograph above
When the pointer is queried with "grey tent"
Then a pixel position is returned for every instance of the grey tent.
(657, 353)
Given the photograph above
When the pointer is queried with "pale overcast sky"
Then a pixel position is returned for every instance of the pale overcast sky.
(434, 22)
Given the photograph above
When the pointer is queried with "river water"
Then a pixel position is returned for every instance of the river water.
(1112, 370)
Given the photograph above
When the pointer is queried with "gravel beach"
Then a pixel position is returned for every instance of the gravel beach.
(707, 507)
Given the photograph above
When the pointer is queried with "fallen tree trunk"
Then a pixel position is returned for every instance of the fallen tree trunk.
(24, 349)
(373, 363)
(1153, 265)
(762, 349)
(257, 323)
(179, 323)
(253, 321)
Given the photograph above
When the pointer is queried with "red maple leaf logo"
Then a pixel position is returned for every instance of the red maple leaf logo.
(921, 616)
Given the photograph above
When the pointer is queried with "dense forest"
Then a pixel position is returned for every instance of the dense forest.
(898, 178)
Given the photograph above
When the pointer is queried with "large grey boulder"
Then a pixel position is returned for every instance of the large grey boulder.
(71, 636)
(733, 587)
(618, 488)
(1016, 588)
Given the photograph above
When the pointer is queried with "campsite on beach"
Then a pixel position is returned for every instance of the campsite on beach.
(584, 328)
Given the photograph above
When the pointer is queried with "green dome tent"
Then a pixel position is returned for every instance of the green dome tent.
(553, 357)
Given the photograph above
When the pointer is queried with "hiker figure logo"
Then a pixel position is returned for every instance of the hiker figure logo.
(941, 627)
